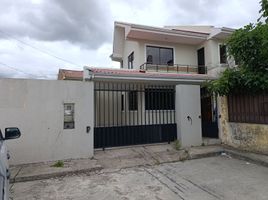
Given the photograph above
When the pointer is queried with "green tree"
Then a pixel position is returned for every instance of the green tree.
(249, 47)
(264, 10)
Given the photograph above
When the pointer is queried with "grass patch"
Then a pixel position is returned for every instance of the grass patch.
(177, 144)
(59, 163)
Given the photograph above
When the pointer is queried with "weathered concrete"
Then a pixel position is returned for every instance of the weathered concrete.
(250, 137)
(38, 171)
(209, 178)
(117, 158)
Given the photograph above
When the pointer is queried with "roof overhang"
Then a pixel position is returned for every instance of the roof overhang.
(166, 36)
(221, 33)
(116, 57)
(134, 31)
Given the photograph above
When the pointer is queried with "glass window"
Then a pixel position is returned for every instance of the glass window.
(159, 55)
(133, 100)
(130, 60)
(223, 55)
(159, 99)
(68, 116)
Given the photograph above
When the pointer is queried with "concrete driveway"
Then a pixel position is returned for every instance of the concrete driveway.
(218, 177)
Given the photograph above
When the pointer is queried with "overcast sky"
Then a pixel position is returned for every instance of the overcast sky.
(37, 37)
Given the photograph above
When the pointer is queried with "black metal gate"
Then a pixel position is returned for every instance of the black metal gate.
(209, 114)
(131, 114)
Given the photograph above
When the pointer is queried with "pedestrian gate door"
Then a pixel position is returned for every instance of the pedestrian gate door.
(131, 114)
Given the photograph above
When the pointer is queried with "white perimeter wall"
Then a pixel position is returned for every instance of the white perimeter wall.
(188, 104)
(36, 108)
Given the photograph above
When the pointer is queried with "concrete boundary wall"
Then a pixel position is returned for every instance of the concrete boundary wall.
(245, 136)
(36, 107)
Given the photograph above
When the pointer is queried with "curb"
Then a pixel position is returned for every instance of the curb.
(53, 175)
(242, 156)
(205, 155)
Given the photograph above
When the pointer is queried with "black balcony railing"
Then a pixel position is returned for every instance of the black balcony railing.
(175, 68)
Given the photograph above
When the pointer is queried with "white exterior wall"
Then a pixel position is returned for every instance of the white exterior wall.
(183, 54)
(188, 104)
(36, 108)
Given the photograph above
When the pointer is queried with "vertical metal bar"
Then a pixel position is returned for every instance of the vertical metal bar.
(126, 119)
(174, 101)
(113, 102)
(160, 105)
(117, 102)
(163, 104)
(95, 110)
(156, 105)
(170, 107)
(152, 106)
(166, 103)
(108, 102)
(99, 105)
(121, 100)
(113, 136)
(137, 98)
(133, 98)
(145, 111)
(104, 136)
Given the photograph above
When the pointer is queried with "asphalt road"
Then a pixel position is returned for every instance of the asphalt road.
(219, 177)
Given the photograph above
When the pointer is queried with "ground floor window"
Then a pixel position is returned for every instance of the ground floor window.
(133, 100)
(159, 99)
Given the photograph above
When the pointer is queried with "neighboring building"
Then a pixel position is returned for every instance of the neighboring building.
(183, 49)
(66, 74)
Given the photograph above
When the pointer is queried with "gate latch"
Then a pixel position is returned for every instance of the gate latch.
(190, 119)
(88, 129)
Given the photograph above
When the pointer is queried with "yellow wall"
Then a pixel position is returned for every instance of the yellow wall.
(250, 137)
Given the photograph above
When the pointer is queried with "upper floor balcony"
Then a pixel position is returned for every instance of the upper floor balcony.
(174, 68)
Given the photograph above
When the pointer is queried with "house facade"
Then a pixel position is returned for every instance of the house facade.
(182, 49)
(156, 96)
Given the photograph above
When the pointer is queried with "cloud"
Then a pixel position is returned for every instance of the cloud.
(84, 23)
(230, 13)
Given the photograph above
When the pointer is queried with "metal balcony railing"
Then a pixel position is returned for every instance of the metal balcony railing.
(175, 68)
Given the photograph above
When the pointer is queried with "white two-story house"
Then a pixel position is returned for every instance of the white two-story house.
(156, 95)
(192, 49)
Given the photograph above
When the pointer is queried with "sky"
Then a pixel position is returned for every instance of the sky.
(37, 37)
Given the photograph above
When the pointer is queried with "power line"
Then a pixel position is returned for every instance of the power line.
(37, 49)
(21, 71)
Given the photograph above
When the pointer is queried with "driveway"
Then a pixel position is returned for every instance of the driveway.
(220, 177)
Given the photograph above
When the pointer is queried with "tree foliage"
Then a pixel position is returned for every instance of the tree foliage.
(264, 10)
(249, 47)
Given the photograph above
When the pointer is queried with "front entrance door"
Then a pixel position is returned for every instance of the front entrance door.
(209, 114)
(201, 61)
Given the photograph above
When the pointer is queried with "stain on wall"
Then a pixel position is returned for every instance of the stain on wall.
(250, 137)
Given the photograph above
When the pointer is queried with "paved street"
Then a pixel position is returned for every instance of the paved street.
(219, 177)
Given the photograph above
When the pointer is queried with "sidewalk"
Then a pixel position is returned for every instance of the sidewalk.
(119, 158)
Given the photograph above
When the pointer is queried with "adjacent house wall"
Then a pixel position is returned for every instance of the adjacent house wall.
(36, 108)
(246, 136)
